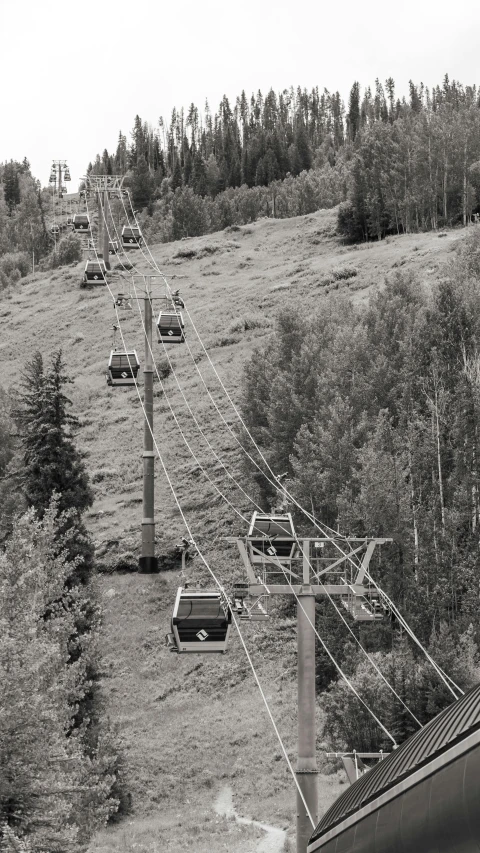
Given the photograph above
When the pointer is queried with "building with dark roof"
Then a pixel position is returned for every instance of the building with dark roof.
(423, 798)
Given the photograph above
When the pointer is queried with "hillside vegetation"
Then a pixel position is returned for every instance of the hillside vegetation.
(190, 727)
(398, 164)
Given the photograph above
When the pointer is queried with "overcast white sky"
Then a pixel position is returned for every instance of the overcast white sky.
(74, 73)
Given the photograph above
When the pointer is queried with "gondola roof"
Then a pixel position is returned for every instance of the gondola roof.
(453, 724)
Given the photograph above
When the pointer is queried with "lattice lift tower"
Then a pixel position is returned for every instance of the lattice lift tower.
(102, 186)
(58, 174)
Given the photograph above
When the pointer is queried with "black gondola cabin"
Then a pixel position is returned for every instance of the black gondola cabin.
(201, 621)
(132, 237)
(112, 247)
(171, 328)
(81, 222)
(123, 368)
(276, 537)
(95, 272)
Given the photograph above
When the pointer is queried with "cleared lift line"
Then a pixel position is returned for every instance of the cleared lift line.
(217, 582)
(331, 538)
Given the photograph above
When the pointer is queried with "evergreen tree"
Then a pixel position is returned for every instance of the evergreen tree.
(11, 185)
(53, 465)
(46, 428)
(354, 111)
(143, 183)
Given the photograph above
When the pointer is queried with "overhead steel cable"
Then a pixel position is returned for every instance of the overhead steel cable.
(246, 521)
(337, 666)
(320, 527)
(280, 487)
(203, 559)
(274, 482)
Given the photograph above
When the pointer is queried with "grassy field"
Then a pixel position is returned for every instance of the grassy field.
(189, 725)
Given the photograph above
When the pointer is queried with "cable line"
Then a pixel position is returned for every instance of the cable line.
(217, 582)
(356, 639)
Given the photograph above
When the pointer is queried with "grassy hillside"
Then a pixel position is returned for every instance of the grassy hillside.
(192, 726)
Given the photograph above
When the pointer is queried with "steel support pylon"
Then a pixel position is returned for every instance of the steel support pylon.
(148, 563)
(306, 771)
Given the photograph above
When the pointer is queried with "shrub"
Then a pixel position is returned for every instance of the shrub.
(342, 273)
(101, 474)
(187, 253)
(164, 368)
(13, 267)
(69, 251)
(249, 321)
(228, 340)
(124, 562)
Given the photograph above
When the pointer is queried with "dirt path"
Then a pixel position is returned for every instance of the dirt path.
(274, 841)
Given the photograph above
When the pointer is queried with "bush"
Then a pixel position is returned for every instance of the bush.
(69, 251)
(249, 321)
(13, 267)
(188, 253)
(124, 562)
(228, 340)
(343, 273)
(164, 368)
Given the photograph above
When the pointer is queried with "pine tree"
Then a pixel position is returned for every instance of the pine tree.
(46, 427)
(11, 185)
(53, 465)
(354, 111)
(143, 183)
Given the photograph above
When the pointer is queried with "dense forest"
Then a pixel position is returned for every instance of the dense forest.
(62, 776)
(396, 164)
(393, 165)
(374, 412)
(27, 213)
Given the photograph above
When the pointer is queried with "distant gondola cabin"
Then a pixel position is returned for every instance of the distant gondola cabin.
(271, 535)
(112, 247)
(81, 222)
(201, 621)
(132, 237)
(123, 368)
(171, 328)
(95, 272)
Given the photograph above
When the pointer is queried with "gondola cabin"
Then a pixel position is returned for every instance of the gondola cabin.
(66, 176)
(81, 222)
(132, 237)
(95, 272)
(112, 247)
(201, 621)
(171, 328)
(55, 229)
(123, 368)
(70, 221)
(276, 537)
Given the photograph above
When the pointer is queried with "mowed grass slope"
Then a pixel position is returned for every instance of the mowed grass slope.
(190, 724)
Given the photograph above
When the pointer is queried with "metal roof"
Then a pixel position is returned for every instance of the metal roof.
(452, 724)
